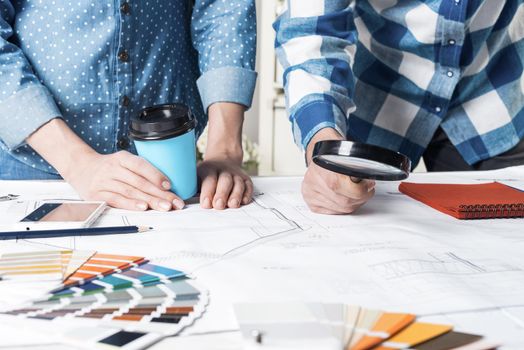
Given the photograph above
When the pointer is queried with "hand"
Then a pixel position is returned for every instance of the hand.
(224, 184)
(327, 192)
(123, 181)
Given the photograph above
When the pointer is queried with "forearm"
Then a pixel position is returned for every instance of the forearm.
(225, 131)
(317, 66)
(59, 146)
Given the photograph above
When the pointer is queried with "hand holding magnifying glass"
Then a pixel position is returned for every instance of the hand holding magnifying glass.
(341, 177)
(361, 161)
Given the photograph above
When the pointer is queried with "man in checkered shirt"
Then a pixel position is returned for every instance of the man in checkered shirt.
(438, 80)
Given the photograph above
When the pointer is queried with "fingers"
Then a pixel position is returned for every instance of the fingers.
(133, 193)
(318, 202)
(116, 200)
(143, 168)
(208, 189)
(224, 187)
(326, 192)
(237, 194)
(248, 194)
(158, 198)
(156, 184)
(333, 183)
(342, 185)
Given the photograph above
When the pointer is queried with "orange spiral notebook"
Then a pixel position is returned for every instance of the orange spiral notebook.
(479, 201)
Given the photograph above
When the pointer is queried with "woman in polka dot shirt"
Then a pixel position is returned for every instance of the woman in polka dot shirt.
(73, 73)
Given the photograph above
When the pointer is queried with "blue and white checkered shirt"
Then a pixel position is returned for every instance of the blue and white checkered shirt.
(390, 72)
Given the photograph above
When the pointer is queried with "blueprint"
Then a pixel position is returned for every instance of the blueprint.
(395, 254)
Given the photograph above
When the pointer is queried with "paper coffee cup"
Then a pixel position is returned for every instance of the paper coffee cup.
(165, 136)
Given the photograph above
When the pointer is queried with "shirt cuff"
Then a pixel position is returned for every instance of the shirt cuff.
(227, 84)
(24, 112)
(315, 116)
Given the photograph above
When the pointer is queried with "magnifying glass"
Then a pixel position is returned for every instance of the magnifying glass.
(361, 161)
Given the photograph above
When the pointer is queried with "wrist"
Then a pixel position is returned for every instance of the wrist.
(221, 151)
(224, 139)
(322, 135)
(56, 135)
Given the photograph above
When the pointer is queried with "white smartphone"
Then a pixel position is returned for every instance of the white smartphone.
(62, 215)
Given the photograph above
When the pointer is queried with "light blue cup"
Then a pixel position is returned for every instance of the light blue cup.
(165, 136)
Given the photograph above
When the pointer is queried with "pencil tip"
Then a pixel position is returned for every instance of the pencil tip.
(144, 228)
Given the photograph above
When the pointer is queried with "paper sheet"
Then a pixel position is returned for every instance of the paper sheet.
(395, 254)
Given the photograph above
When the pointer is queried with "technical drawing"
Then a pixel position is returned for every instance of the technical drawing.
(447, 263)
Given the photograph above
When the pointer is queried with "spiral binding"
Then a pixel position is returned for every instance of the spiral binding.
(492, 211)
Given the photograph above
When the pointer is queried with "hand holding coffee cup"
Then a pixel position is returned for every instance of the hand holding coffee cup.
(165, 136)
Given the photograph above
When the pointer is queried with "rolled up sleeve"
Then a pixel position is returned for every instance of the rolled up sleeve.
(224, 34)
(25, 104)
(315, 45)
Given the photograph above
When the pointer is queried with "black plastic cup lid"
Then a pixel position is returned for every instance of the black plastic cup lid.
(361, 160)
(162, 122)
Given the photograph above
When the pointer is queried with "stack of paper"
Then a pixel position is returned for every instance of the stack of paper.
(348, 327)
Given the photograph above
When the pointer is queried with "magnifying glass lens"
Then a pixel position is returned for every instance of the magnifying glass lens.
(360, 164)
(361, 160)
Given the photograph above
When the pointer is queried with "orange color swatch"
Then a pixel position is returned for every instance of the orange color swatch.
(100, 265)
(414, 334)
(388, 325)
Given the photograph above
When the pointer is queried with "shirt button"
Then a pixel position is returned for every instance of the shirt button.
(125, 101)
(123, 56)
(438, 109)
(451, 42)
(450, 74)
(123, 143)
(125, 8)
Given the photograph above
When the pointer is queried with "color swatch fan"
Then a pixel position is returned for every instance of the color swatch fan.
(339, 326)
(118, 301)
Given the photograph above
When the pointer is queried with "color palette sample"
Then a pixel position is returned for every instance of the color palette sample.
(100, 265)
(118, 301)
(343, 326)
(137, 277)
(42, 265)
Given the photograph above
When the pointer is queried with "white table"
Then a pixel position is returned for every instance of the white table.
(396, 254)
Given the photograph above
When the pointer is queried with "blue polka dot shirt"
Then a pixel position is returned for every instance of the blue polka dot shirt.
(97, 63)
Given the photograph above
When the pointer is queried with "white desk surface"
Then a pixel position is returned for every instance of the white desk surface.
(395, 253)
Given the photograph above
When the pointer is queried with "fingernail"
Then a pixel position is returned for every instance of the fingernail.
(235, 203)
(165, 205)
(371, 186)
(166, 185)
(179, 204)
(355, 179)
(206, 203)
(141, 206)
(219, 204)
(245, 200)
